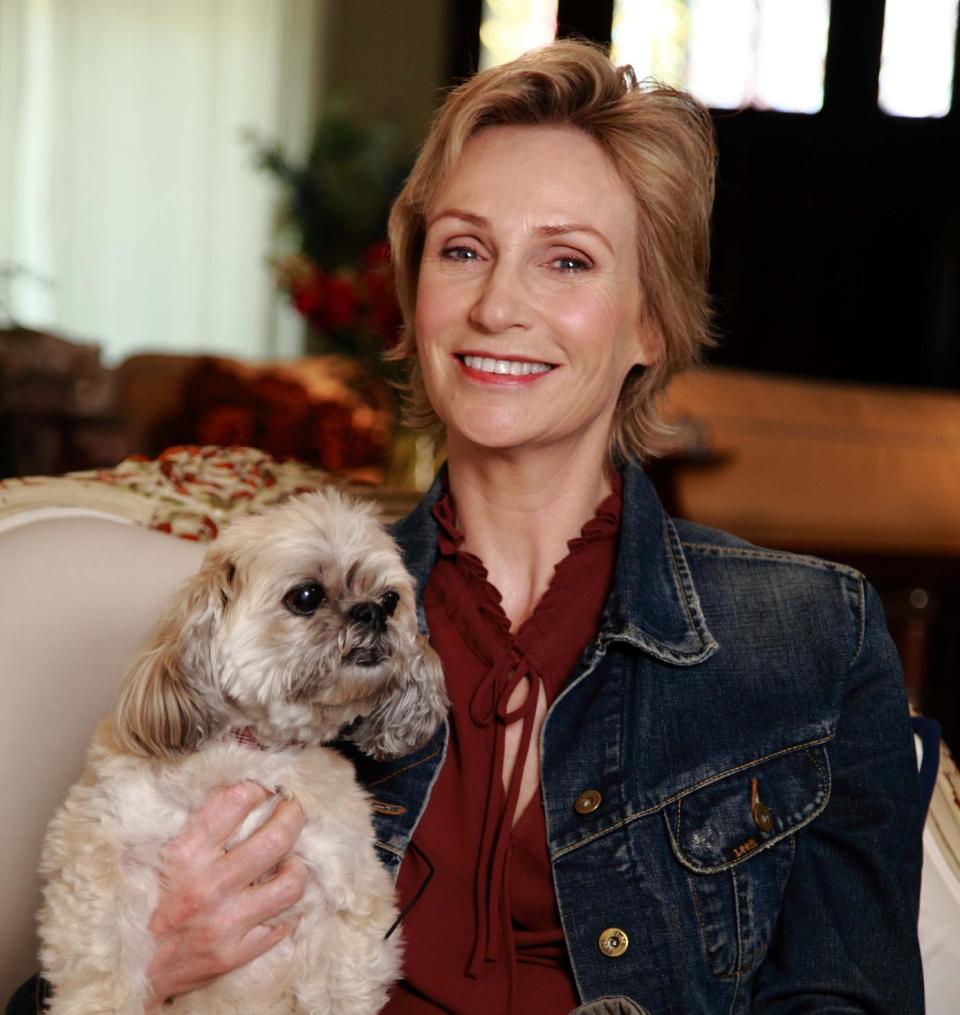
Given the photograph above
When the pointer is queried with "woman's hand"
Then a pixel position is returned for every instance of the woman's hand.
(214, 913)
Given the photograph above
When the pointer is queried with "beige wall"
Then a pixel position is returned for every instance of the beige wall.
(388, 57)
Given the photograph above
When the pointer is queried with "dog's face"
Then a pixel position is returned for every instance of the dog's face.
(318, 613)
(300, 621)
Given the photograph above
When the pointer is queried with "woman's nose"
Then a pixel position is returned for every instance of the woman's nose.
(501, 302)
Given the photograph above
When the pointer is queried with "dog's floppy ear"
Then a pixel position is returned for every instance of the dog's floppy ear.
(411, 709)
(165, 705)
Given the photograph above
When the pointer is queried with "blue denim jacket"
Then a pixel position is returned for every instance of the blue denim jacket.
(749, 840)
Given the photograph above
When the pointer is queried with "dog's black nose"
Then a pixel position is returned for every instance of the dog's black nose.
(369, 614)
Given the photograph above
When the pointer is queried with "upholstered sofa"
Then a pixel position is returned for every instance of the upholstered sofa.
(86, 562)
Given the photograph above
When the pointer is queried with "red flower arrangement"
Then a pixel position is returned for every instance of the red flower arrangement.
(350, 310)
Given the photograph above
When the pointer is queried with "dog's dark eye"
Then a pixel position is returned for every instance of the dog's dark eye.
(304, 599)
(389, 602)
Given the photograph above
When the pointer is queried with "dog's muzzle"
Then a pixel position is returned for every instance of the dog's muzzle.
(369, 622)
(371, 615)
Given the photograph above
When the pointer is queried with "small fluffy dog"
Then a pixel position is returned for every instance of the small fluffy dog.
(300, 623)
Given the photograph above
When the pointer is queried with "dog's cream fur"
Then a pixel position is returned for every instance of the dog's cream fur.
(230, 655)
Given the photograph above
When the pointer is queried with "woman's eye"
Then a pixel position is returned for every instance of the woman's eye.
(459, 253)
(570, 264)
(304, 599)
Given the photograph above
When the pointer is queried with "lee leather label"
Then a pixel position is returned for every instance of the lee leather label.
(745, 847)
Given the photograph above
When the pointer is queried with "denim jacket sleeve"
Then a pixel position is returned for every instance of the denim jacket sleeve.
(856, 873)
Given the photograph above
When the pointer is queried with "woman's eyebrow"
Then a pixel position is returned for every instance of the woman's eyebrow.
(458, 213)
(575, 227)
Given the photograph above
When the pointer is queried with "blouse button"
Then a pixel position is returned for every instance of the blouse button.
(588, 801)
(613, 942)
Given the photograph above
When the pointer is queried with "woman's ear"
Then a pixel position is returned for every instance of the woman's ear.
(648, 341)
(167, 700)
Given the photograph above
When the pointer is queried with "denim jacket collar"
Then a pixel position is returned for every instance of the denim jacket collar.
(653, 604)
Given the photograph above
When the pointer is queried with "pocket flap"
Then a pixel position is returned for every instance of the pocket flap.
(735, 815)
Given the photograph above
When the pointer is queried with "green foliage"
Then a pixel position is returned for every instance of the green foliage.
(338, 201)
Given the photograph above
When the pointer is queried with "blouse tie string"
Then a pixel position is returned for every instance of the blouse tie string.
(486, 630)
(530, 657)
(490, 703)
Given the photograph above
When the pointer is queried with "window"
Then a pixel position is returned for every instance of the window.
(916, 67)
(511, 27)
(768, 54)
(123, 175)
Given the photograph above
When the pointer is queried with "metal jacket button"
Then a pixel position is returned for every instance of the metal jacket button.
(763, 816)
(588, 801)
(613, 942)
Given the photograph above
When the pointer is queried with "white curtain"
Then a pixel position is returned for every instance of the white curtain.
(124, 180)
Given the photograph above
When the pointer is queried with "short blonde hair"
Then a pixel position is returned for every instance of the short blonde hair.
(661, 142)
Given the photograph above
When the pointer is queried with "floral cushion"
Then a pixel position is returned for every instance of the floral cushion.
(190, 491)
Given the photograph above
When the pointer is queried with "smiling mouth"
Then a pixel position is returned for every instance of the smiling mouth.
(504, 367)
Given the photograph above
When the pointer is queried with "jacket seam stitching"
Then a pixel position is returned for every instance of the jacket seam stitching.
(587, 1006)
(589, 667)
(630, 818)
(736, 990)
(406, 768)
(698, 906)
(816, 765)
(738, 968)
(681, 587)
(738, 965)
(861, 620)
(800, 559)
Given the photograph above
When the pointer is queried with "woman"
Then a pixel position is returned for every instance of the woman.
(678, 774)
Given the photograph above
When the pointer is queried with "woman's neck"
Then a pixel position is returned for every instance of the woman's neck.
(518, 511)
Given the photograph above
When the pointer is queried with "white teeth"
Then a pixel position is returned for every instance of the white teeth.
(514, 368)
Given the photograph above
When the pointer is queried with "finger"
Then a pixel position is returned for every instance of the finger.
(220, 815)
(263, 850)
(260, 939)
(264, 902)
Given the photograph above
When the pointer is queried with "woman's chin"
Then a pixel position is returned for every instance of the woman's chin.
(500, 436)
(485, 426)
(486, 438)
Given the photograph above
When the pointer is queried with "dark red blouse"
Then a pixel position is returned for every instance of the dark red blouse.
(485, 936)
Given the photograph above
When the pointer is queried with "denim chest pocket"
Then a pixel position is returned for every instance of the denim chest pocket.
(736, 837)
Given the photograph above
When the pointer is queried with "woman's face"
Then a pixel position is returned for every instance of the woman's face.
(528, 303)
